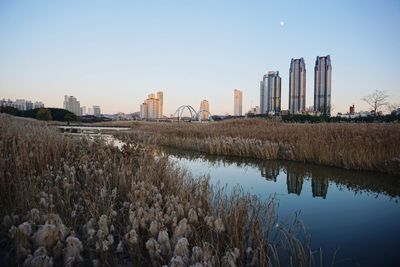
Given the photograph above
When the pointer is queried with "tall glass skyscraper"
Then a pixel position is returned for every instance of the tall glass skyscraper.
(270, 93)
(322, 85)
(297, 86)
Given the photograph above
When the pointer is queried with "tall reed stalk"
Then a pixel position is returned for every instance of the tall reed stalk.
(373, 146)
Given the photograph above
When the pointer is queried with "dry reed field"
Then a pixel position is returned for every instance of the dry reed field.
(373, 146)
(74, 202)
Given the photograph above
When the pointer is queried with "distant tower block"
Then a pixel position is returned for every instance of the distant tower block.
(72, 104)
(297, 86)
(238, 102)
(322, 85)
(270, 93)
(204, 110)
(160, 97)
(152, 107)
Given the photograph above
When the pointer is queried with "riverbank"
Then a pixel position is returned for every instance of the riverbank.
(369, 147)
(338, 207)
(358, 182)
(65, 200)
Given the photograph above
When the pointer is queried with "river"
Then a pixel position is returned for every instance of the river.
(355, 213)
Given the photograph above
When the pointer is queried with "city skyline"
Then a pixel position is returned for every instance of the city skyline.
(113, 62)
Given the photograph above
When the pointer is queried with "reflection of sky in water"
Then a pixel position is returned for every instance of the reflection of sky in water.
(364, 225)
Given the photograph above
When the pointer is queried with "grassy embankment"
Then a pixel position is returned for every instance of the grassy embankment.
(372, 147)
(73, 202)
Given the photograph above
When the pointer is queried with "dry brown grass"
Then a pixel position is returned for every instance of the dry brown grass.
(373, 146)
(74, 202)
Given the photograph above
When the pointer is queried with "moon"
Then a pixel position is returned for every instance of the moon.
(282, 23)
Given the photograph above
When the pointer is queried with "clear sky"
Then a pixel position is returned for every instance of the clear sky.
(114, 53)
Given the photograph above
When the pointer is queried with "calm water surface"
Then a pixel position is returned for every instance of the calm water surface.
(356, 212)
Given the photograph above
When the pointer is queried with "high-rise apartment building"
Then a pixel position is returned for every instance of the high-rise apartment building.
(143, 110)
(322, 85)
(238, 102)
(38, 104)
(204, 110)
(152, 107)
(297, 86)
(72, 104)
(96, 111)
(21, 104)
(7, 103)
(160, 97)
(28, 105)
(270, 93)
(84, 111)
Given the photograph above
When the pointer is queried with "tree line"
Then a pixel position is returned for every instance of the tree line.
(47, 114)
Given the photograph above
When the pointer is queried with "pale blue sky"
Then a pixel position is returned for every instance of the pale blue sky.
(114, 53)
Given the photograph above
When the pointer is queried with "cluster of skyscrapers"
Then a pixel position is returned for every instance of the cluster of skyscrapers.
(21, 104)
(270, 93)
(270, 88)
(152, 107)
(73, 105)
(295, 179)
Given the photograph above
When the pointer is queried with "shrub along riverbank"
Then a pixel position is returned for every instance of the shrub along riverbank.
(47, 114)
(65, 200)
(372, 147)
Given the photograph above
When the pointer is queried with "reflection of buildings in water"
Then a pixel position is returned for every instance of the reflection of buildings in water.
(319, 187)
(269, 173)
(351, 180)
(294, 183)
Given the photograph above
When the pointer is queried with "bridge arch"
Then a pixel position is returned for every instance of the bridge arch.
(179, 111)
(199, 114)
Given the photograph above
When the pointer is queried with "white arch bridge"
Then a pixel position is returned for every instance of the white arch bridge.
(194, 116)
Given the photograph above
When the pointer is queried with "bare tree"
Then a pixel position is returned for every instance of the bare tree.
(376, 100)
(393, 107)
